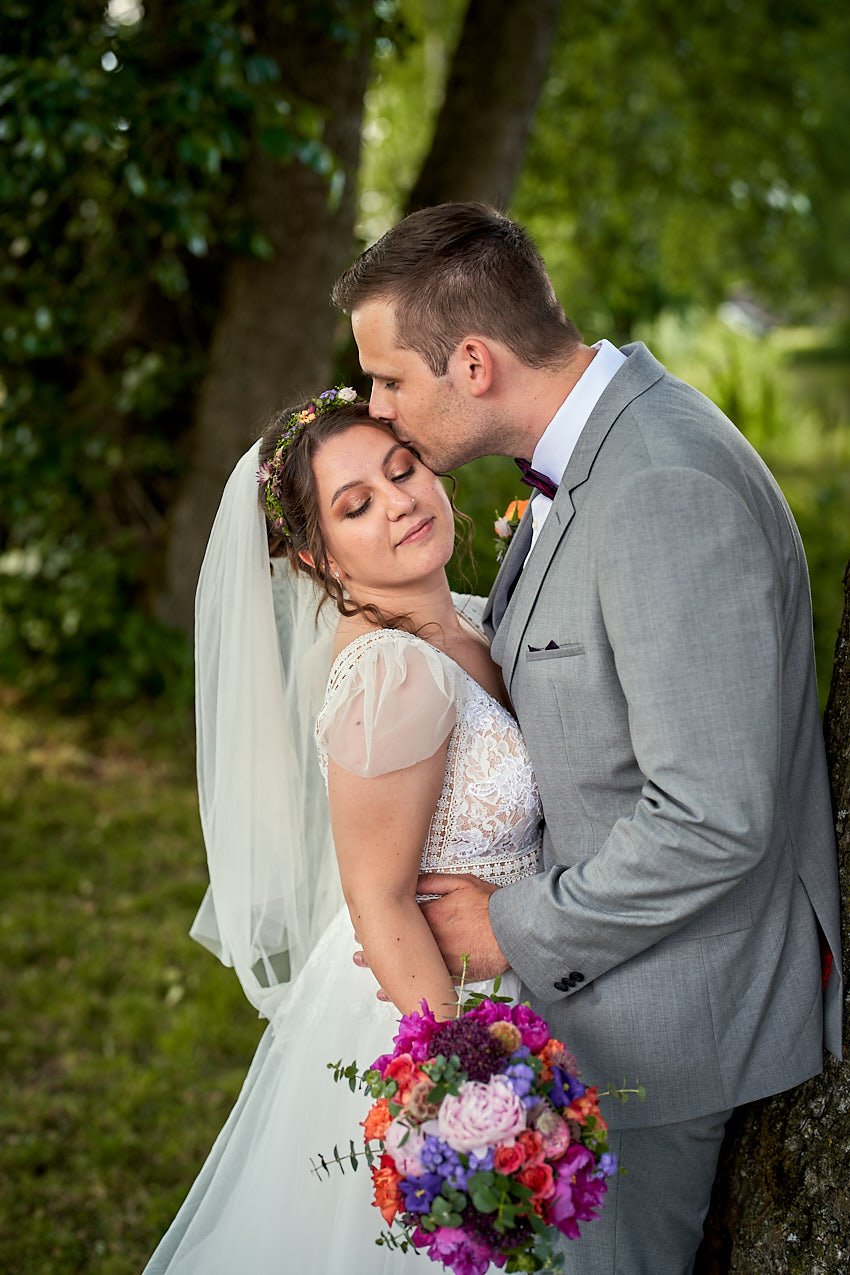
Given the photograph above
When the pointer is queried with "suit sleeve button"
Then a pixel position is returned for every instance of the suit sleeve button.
(576, 977)
(562, 984)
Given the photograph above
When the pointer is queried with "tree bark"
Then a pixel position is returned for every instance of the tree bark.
(274, 337)
(493, 86)
(781, 1201)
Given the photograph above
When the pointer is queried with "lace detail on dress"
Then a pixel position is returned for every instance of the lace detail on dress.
(488, 816)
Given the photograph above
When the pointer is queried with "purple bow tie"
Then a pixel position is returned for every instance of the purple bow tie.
(535, 479)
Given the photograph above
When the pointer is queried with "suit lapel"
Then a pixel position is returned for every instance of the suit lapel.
(510, 617)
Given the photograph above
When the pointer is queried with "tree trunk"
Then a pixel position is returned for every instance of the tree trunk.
(274, 338)
(492, 90)
(781, 1202)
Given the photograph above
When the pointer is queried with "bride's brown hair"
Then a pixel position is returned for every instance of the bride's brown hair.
(295, 529)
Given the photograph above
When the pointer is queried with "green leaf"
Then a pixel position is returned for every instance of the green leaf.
(485, 1200)
(456, 1198)
(443, 1214)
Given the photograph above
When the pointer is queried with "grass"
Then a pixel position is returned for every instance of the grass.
(125, 1044)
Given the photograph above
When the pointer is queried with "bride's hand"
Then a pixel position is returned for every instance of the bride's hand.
(460, 922)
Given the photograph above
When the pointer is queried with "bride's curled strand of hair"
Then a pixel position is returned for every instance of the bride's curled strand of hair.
(287, 489)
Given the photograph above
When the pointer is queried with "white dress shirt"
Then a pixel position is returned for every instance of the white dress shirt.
(555, 447)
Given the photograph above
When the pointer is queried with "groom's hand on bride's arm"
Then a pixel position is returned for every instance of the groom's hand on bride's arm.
(460, 922)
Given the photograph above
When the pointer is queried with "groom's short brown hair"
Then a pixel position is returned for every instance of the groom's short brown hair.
(458, 270)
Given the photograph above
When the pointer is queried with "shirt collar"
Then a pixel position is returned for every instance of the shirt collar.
(555, 447)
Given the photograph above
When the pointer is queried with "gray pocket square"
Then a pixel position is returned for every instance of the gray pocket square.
(554, 651)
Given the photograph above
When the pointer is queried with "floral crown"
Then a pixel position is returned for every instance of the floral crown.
(270, 472)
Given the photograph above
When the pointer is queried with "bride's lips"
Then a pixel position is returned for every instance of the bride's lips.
(416, 533)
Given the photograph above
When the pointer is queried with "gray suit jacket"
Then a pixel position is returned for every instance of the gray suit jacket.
(676, 737)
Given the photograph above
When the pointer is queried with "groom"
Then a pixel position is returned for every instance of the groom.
(653, 626)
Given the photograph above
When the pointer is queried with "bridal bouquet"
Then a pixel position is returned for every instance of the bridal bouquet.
(486, 1138)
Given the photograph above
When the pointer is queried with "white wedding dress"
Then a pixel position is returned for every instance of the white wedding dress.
(256, 1207)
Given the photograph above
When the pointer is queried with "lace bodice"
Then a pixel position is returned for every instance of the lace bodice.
(488, 816)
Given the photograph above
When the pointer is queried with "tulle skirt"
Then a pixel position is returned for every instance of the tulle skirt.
(256, 1207)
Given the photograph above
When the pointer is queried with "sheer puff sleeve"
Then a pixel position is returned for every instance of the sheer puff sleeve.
(391, 702)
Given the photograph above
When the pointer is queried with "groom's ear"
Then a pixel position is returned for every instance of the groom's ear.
(475, 362)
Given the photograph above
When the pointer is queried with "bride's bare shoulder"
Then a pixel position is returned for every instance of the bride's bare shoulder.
(350, 628)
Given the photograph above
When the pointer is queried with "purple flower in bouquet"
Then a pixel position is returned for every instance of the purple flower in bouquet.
(490, 1012)
(607, 1166)
(419, 1192)
(522, 1078)
(482, 1228)
(414, 1034)
(565, 1088)
(479, 1054)
(534, 1029)
(438, 1157)
(477, 1162)
(578, 1193)
(456, 1248)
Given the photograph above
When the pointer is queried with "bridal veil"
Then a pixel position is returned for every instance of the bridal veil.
(262, 657)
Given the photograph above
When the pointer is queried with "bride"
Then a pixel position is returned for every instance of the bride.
(335, 761)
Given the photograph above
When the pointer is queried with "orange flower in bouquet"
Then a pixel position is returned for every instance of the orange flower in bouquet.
(385, 1180)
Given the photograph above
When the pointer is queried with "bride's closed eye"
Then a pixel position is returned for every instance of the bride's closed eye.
(394, 478)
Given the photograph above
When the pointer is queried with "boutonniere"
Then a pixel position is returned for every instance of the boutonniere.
(507, 525)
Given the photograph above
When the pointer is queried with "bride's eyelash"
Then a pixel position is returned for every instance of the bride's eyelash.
(397, 478)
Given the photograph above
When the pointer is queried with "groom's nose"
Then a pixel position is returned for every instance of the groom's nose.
(380, 404)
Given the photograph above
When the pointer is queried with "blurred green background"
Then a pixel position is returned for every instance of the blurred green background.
(180, 186)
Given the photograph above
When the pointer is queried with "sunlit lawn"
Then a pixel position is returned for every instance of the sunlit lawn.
(124, 1043)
